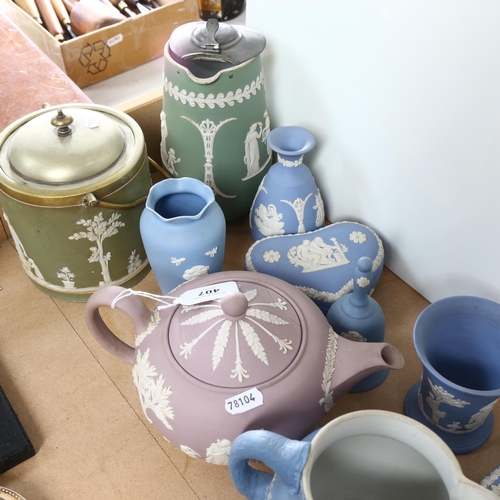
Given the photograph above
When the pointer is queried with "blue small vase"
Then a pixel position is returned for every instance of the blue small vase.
(288, 200)
(183, 230)
(358, 317)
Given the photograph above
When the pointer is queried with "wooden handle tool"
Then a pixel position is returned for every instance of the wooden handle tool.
(29, 6)
(50, 19)
(63, 16)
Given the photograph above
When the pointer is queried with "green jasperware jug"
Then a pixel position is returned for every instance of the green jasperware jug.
(214, 120)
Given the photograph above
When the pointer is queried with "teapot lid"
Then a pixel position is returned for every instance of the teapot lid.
(214, 42)
(244, 339)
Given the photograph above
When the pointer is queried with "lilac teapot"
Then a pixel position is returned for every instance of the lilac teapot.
(234, 351)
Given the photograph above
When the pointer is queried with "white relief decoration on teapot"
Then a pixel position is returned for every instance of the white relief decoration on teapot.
(195, 272)
(177, 261)
(28, 263)
(97, 231)
(241, 327)
(316, 255)
(329, 368)
(299, 206)
(354, 336)
(189, 451)
(212, 253)
(271, 256)
(153, 394)
(67, 277)
(168, 158)
(268, 220)
(208, 130)
(320, 210)
(357, 237)
(153, 323)
(212, 100)
(218, 453)
(363, 282)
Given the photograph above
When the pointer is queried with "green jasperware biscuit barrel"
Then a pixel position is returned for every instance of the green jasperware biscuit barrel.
(73, 182)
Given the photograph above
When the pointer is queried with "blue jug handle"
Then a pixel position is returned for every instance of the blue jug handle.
(286, 457)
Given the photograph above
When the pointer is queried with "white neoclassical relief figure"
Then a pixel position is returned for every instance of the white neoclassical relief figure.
(316, 255)
(257, 134)
(28, 263)
(208, 130)
(169, 157)
(268, 220)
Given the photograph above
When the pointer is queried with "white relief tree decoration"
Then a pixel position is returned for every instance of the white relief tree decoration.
(99, 230)
(208, 130)
(478, 418)
(134, 262)
(299, 206)
(67, 277)
(437, 396)
(223, 328)
(153, 394)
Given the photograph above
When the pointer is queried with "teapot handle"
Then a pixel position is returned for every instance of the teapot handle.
(131, 305)
(286, 457)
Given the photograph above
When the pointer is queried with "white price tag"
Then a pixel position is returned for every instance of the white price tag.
(92, 120)
(115, 39)
(206, 293)
(244, 401)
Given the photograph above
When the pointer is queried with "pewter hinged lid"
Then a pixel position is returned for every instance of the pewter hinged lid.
(211, 41)
(57, 155)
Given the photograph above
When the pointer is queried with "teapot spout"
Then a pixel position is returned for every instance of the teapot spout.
(357, 360)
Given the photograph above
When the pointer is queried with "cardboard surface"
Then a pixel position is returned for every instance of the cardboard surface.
(79, 405)
(108, 51)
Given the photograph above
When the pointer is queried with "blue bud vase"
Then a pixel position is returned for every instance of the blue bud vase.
(183, 230)
(358, 317)
(288, 200)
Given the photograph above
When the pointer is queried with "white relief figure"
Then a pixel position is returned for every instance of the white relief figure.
(168, 158)
(177, 261)
(329, 368)
(153, 394)
(28, 263)
(189, 451)
(268, 220)
(212, 100)
(212, 253)
(299, 206)
(357, 237)
(67, 277)
(195, 272)
(271, 256)
(99, 230)
(218, 453)
(320, 210)
(248, 327)
(478, 418)
(252, 153)
(438, 396)
(316, 255)
(354, 336)
(208, 130)
(134, 262)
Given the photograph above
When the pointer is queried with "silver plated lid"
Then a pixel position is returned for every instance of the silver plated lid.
(211, 41)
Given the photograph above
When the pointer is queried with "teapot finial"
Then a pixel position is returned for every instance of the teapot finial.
(234, 305)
